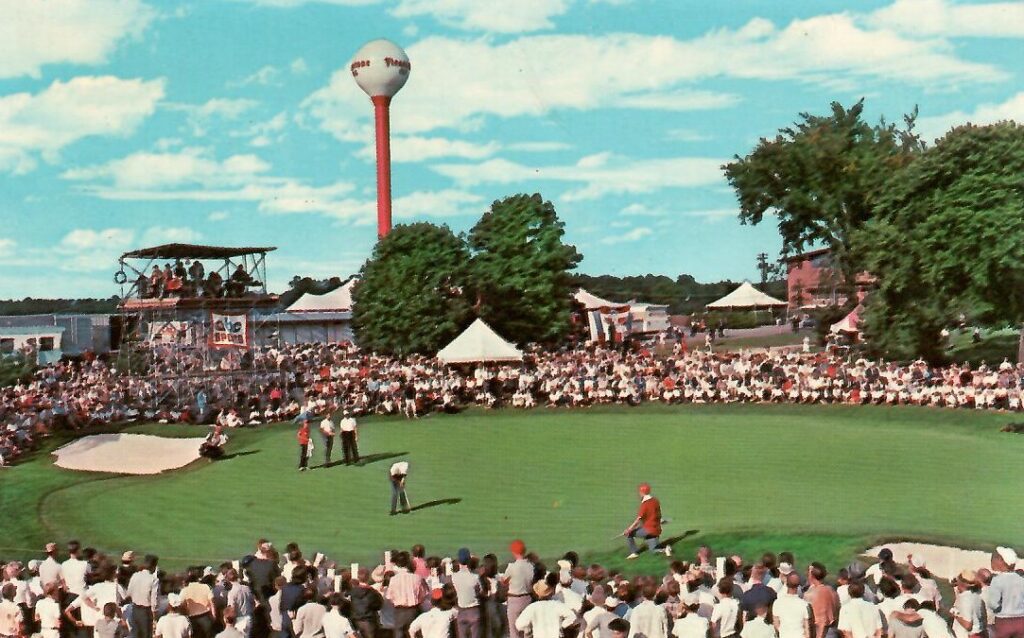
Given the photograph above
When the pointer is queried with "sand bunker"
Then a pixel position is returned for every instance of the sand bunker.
(127, 453)
(941, 560)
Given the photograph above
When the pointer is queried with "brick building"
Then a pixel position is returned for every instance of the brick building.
(812, 281)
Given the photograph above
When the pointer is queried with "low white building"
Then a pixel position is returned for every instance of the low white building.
(45, 341)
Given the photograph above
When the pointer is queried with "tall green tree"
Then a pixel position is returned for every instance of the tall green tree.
(947, 237)
(411, 297)
(521, 269)
(820, 179)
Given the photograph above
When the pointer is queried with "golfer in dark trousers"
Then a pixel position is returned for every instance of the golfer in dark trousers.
(327, 432)
(303, 437)
(349, 438)
(398, 473)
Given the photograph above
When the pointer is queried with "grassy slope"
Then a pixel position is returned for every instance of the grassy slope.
(818, 481)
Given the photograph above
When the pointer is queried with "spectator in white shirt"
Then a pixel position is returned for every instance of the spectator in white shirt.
(74, 570)
(648, 620)
(725, 615)
(174, 624)
(690, 623)
(49, 569)
(857, 617)
(969, 617)
(436, 623)
(48, 611)
(758, 626)
(791, 613)
(545, 618)
(309, 619)
(336, 622)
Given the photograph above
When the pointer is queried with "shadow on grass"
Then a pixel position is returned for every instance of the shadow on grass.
(441, 501)
(374, 458)
(238, 454)
(366, 460)
(672, 540)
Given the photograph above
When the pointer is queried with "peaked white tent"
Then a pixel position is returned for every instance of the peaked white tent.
(338, 300)
(479, 343)
(850, 323)
(593, 302)
(746, 297)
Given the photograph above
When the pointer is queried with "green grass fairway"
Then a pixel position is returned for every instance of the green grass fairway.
(820, 481)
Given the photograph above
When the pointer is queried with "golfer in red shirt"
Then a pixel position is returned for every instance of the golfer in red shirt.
(647, 525)
(303, 436)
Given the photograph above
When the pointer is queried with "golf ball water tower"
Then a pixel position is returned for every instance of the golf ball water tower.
(381, 69)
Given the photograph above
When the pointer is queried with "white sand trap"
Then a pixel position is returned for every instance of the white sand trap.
(941, 560)
(127, 453)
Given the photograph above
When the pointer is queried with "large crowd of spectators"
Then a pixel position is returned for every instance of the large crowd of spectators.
(274, 384)
(85, 594)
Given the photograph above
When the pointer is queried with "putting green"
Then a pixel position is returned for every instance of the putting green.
(822, 481)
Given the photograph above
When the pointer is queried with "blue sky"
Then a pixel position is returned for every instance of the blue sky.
(236, 122)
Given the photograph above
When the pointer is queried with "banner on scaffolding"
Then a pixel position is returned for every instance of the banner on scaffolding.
(229, 331)
(172, 333)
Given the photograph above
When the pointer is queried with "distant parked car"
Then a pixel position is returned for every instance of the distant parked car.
(809, 322)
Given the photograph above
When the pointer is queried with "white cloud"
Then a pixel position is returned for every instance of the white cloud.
(533, 76)
(65, 112)
(213, 112)
(630, 236)
(642, 210)
(218, 216)
(87, 238)
(539, 147)
(598, 175)
(194, 175)
(474, 15)
(443, 203)
(416, 148)
(937, 126)
(89, 249)
(298, 67)
(714, 214)
(268, 75)
(34, 34)
(190, 166)
(947, 19)
(679, 100)
(7, 244)
(263, 134)
(156, 235)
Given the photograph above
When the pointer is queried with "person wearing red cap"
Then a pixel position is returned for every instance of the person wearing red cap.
(646, 525)
(518, 579)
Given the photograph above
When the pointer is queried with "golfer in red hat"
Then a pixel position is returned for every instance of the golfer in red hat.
(647, 525)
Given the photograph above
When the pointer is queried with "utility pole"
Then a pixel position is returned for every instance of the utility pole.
(762, 265)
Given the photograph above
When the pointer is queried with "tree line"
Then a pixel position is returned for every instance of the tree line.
(941, 227)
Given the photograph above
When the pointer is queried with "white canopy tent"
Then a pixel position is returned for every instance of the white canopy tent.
(593, 302)
(479, 343)
(849, 324)
(746, 297)
(338, 300)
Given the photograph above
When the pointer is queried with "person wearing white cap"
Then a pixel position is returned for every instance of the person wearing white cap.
(49, 569)
(173, 624)
(1005, 595)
